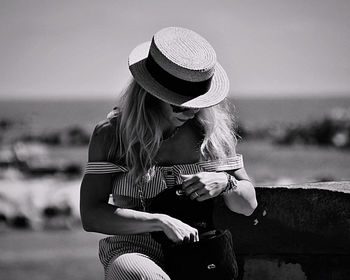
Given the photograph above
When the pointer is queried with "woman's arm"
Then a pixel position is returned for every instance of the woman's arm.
(207, 185)
(99, 216)
(96, 213)
(242, 199)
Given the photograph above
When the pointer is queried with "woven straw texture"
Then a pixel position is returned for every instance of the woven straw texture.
(185, 55)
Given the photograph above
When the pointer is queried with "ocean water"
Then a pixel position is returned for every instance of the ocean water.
(50, 115)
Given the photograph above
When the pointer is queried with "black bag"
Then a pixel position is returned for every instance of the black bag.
(173, 202)
(212, 257)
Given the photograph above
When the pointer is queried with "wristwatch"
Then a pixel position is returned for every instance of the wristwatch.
(232, 183)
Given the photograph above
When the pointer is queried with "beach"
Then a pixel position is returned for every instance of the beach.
(51, 247)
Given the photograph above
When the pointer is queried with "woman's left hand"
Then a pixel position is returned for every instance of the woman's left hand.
(204, 185)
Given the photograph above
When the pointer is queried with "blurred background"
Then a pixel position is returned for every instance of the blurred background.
(63, 64)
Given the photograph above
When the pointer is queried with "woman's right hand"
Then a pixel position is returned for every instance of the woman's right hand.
(176, 230)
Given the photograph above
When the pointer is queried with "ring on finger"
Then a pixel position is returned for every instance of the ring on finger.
(197, 195)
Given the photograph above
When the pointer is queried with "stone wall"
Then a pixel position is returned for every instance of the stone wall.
(297, 232)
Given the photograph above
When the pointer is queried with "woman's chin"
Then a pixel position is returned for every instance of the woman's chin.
(179, 122)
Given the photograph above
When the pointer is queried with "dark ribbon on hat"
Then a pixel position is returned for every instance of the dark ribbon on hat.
(180, 86)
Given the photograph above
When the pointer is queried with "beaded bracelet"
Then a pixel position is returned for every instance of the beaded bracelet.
(232, 184)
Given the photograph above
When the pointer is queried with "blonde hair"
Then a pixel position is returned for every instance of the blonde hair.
(139, 131)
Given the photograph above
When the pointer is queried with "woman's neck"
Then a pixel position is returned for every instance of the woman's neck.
(169, 130)
(182, 147)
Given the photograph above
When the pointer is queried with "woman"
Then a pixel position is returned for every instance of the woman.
(170, 128)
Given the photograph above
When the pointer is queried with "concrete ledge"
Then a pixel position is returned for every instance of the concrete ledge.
(341, 186)
(307, 225)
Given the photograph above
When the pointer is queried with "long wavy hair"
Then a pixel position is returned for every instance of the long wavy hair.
(139, 131)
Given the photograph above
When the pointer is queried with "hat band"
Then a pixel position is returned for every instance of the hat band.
(180, 86)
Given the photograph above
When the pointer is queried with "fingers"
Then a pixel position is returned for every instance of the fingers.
(194, 195)
(198, 186)
(203, 185)
(193, 186)
(204, 197)
(187, 237)
(178, 231)
(188, 180)
(200, 196)
(192, 238)
(199, 192)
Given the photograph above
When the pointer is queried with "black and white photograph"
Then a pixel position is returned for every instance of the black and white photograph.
(175, 140)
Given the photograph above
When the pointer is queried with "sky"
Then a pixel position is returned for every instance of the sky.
(79, 48)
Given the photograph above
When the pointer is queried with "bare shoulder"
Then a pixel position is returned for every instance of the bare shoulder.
(101, 140)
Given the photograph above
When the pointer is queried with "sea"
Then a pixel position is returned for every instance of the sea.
(46, 115)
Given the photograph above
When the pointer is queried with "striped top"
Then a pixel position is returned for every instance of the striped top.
(127, 195)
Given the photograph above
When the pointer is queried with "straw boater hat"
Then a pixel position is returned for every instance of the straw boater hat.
(179, 67)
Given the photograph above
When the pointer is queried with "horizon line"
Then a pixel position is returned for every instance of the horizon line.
(92, 99)
(231, 95)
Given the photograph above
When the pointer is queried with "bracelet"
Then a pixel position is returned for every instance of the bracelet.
(232, 184)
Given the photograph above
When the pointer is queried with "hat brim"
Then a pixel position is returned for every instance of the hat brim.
(217, 92)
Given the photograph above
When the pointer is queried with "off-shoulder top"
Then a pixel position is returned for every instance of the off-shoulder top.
(126, 195)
